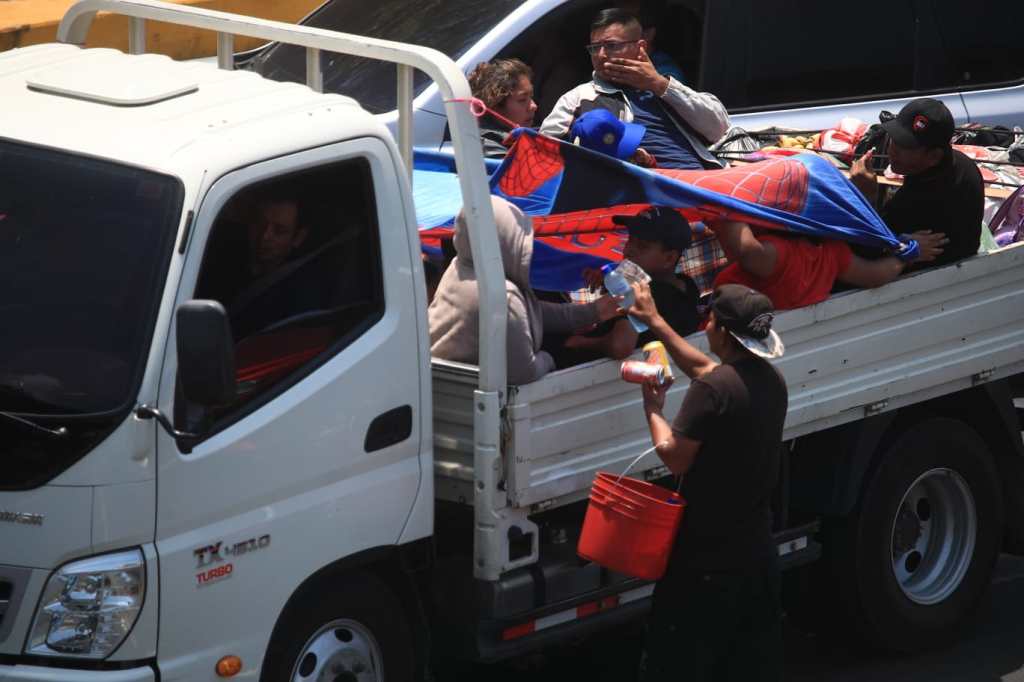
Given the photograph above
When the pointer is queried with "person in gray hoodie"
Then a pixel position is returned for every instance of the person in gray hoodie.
(454, 316)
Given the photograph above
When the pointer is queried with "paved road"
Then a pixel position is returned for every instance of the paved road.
(992, 651)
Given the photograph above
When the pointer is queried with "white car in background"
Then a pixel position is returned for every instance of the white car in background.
(796, 63)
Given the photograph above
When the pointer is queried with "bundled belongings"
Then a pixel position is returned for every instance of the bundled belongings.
(843, 139)
(573, 194)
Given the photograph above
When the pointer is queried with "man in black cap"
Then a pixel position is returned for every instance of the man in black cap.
(942, 190)
(657, 238)
(716, 612)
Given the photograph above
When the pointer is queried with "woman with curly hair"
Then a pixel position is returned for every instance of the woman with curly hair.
(505, 86)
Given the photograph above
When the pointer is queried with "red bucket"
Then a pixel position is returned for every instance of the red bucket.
(639, 492)
(630, 526)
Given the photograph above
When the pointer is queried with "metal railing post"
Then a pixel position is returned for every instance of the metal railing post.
(314, 72)
(405, 122)
(225, 51)
(136, 36)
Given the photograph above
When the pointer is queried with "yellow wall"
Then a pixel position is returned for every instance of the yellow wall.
(29, 22)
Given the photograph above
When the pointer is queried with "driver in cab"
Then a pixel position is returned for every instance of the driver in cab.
(270, 283)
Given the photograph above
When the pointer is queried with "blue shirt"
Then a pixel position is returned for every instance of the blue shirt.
(667, 66)
(663, 138)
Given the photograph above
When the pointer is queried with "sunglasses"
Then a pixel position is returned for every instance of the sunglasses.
(610, 47)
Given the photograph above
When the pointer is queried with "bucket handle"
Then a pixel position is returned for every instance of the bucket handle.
(633, 463)
(640, 457)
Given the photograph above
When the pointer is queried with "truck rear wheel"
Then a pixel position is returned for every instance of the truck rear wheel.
(919, 554)
(354, 630)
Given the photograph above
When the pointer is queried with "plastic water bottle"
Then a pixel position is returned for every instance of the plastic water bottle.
(617, 284)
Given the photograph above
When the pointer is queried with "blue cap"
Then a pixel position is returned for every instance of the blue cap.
(600, 131)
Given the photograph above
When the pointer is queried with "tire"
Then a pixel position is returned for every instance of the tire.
(353, 629)
(918, 555)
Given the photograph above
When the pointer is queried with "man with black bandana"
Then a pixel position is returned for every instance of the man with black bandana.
(942, 190)
(716, 612)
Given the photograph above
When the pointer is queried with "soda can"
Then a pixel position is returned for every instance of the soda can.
(638, 371)
(655, 353)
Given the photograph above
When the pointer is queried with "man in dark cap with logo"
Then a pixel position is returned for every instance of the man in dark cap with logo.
(716, 612)
(942, 190)
(657, 238)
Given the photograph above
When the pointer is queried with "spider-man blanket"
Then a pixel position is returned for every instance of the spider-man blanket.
(572, 193)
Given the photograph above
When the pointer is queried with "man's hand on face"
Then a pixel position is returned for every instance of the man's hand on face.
(638, 73)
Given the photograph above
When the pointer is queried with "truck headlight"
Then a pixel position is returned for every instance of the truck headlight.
(89, 606)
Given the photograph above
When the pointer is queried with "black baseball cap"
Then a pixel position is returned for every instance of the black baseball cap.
(923, 122)
(747, 314)
(658, 224)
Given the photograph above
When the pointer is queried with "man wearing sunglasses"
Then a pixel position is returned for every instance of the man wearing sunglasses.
(680, 121)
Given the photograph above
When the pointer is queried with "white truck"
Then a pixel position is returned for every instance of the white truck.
(292, 488)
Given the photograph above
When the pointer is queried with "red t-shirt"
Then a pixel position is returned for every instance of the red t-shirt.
(804, 271)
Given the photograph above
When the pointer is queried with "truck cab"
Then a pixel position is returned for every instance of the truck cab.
(160, 219)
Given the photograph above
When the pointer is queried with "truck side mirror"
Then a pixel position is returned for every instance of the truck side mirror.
(206, 353)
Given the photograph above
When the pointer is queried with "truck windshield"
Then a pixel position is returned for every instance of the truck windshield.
(450, 26)
(84, 247)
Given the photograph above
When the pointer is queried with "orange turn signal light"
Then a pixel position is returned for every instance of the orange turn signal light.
(229, 666)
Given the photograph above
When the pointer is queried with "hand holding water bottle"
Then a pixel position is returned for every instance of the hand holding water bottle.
(643, 308)
(619, 280)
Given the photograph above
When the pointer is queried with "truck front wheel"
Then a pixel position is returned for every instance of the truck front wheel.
(920, 551)
(354, 629)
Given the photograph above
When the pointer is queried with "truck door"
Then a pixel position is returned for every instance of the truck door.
(317, 458)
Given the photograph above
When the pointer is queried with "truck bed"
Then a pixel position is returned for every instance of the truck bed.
(859, 353)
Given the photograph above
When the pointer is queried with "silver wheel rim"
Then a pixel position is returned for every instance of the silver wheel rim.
(341, 651)
(933, 536)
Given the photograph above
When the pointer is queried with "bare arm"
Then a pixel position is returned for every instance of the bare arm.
(692, 361)
(677, 452)
(869, 274)
(874, 273)
(617, 344)
(742, 247)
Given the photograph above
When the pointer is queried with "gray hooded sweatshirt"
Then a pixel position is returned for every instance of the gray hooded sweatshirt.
(454, 316)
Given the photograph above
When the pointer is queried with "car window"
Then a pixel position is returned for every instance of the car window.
(296, 264)
(797, 51)
(976, 48)
(451, 26)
